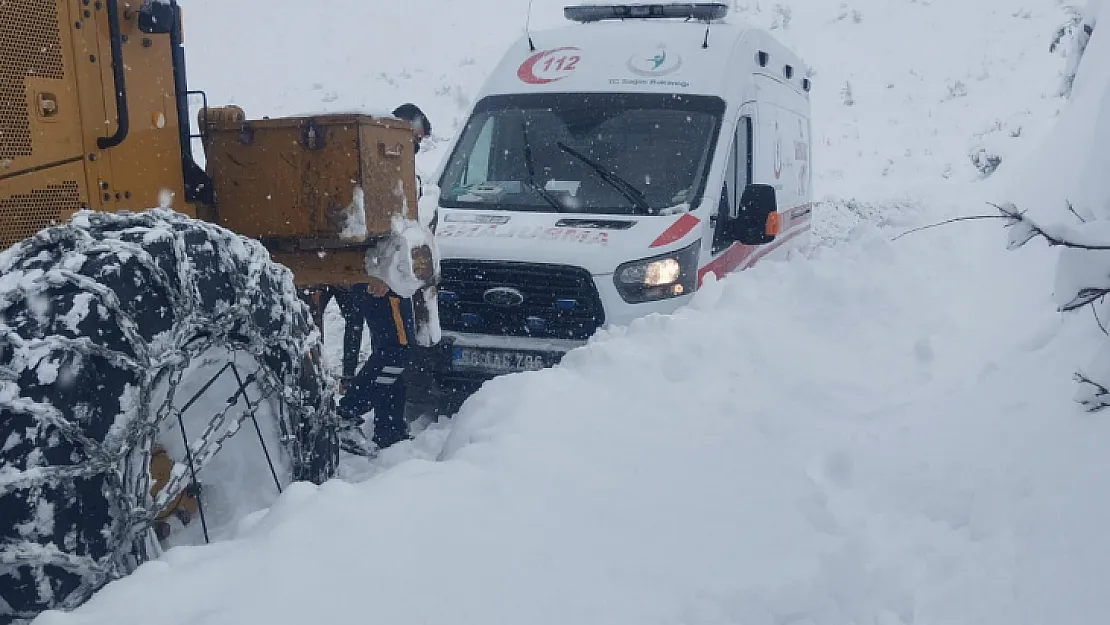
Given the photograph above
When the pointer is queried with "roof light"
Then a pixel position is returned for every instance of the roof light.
(701, 11)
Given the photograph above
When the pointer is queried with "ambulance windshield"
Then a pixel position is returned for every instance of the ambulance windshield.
(599, 153)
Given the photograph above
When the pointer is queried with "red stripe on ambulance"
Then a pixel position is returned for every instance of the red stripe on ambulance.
(740, 256)
(680, 228)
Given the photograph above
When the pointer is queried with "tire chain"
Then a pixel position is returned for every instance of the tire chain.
(302, 421)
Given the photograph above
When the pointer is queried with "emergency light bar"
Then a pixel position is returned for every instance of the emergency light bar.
(701, 11)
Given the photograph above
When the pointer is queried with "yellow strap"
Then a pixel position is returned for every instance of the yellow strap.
(395, 304)
(161, 467)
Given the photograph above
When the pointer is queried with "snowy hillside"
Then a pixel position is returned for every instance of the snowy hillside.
(1071, 209)
(929, 81)
(882, 432)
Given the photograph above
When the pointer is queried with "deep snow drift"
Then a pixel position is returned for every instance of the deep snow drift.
(879, 432)
(1072, 163)
(1071, 209)
(853, 438)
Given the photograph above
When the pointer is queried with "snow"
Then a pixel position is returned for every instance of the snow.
(831, 469)
(429, 332)
(354, 222)
(879, 431)
(1073, 159)
(1071, 164)
(391, 259)
(1092, 110)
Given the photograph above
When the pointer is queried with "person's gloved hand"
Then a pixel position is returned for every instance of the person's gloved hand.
(377, 288)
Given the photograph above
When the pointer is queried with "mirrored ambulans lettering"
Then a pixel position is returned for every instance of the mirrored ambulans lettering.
(479, 218)
(542, 233)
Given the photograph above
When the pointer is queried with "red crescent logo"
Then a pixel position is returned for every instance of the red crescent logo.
(527, 70)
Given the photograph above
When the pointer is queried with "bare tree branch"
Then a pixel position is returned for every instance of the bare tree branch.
(950, 221)
(1071, 208)
(1101, 326)
(1036, 230)
(1100, 397)
(1085, 297)
(1095, 396)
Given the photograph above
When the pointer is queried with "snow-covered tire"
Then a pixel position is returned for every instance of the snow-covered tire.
(94, 315)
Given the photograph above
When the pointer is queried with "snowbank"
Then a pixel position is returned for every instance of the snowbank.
(1066, 199)
(1070, 164)
(1091, 110)
(880, 433)
(823, 441)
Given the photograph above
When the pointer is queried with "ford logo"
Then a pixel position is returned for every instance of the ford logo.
(503, 297)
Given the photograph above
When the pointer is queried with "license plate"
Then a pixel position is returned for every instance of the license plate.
(498, 360)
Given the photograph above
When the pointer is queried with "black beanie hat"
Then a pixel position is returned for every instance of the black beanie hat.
(409, 112)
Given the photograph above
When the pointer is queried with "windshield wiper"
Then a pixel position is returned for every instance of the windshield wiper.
(626, 188)
(531, 182)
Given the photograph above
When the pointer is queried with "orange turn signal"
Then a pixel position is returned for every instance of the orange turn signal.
(773, 224)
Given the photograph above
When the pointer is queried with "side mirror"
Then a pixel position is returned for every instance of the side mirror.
(758, 223)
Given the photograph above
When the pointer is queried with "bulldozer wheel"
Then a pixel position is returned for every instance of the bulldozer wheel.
(96, 315)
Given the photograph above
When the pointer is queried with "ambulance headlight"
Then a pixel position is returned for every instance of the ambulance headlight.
(660, 277)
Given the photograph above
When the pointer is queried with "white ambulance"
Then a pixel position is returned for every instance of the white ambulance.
(605, 170)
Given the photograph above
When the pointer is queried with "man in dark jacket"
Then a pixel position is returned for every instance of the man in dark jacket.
(380, 384)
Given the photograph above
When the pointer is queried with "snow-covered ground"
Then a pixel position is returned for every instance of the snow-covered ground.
(879, 432)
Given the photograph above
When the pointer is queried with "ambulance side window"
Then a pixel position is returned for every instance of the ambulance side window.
(478, 167)
(744, 158)
(729, 196)
(739, 166)
(737, 176)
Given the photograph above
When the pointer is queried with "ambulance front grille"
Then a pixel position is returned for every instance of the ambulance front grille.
(556, 301)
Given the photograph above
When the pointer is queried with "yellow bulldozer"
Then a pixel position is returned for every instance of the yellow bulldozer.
(161, 344)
